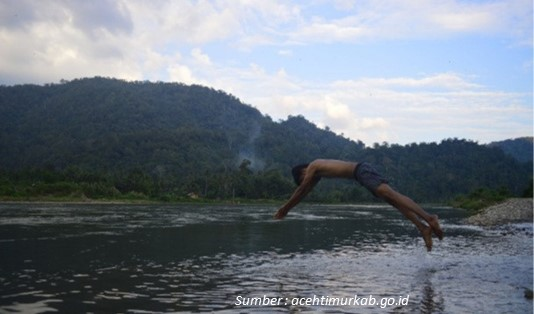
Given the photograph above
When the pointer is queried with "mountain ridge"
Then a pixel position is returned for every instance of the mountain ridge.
(185, 138)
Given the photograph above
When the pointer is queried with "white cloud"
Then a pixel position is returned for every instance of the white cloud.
(335, 109)
(120, 37)
(200, 57)
(44, 42)
(447, 81)
(181, 73)
(463, 21)
(55, 40)
(285, 52)
(375, 110)
(374, 20)
(182, 21)
(328, 32)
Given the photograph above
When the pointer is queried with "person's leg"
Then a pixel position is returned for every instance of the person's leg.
(425, 230)
(367, 176)
(405, 205)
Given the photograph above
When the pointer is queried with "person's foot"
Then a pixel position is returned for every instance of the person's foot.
(434, 224)
(427, 236)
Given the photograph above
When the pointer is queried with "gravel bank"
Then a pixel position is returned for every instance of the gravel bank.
(512, 210)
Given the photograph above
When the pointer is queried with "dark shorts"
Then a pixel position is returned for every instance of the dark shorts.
(367, 176)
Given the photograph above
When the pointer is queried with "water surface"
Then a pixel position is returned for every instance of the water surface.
(189, 258)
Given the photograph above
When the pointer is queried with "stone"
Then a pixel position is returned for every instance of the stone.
(510, 211)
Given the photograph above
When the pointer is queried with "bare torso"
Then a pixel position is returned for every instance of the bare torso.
(328, 168)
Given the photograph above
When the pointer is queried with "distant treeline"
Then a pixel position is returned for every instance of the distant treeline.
(76, 184)
(106, 138)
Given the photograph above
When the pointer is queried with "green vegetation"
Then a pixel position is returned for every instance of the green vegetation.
(481, 198)
(519, 148)
(528, 191)
(108, 139)
(74, 184)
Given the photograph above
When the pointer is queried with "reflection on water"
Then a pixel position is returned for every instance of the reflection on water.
(179, 258)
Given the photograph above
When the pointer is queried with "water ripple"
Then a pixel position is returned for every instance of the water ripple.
(153, 259)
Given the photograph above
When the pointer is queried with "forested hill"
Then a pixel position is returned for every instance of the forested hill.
(519, 148)
(173, 139)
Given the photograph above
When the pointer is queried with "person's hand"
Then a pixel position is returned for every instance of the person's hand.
(280, 214)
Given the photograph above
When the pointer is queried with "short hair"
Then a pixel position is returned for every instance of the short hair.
(296, 172)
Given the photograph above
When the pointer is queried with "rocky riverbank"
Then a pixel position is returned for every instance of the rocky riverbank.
(510, 211)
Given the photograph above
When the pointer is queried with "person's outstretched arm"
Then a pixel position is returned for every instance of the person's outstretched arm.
(302, 190)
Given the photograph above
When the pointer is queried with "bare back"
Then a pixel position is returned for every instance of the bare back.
(329, 168)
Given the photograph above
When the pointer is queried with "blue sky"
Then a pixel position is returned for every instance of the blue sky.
(406, 71)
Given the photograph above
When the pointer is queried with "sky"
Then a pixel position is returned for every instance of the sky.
(401, 72)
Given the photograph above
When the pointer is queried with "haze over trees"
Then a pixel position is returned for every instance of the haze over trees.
(107, 138)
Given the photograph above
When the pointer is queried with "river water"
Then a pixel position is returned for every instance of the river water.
(93, 258)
